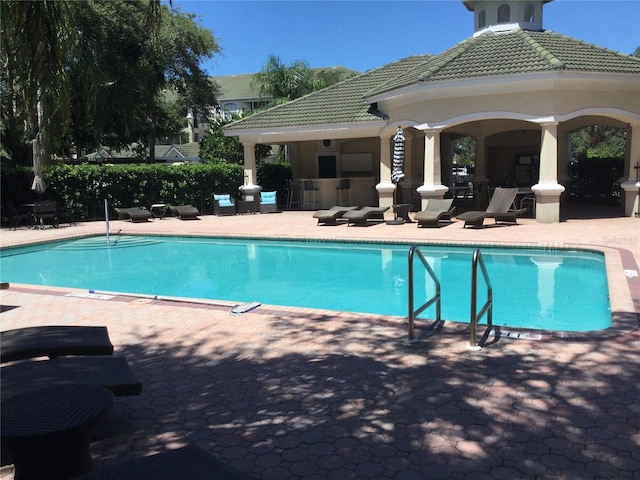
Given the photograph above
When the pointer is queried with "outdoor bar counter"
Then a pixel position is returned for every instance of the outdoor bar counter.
(363, 192)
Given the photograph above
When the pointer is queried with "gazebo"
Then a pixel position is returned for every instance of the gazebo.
(517, 89)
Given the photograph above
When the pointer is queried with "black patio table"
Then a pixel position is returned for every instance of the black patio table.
(47, 432)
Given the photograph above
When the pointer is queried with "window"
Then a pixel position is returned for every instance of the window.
(504, 13)
(231, 107)
(482, 18)
(529, 15)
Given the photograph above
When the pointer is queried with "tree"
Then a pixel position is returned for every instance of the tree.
(147, 75)
(34, 85)
(281, 82)
(599, 141)
(117, 58)
(216, 147)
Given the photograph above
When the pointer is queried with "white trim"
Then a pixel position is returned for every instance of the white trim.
(521, 82)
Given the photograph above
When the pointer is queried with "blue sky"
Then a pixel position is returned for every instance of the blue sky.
(362, 35)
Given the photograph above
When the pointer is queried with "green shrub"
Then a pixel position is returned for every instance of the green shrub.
(124, 185)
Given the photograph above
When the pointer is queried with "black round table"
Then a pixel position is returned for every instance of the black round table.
(48, 431)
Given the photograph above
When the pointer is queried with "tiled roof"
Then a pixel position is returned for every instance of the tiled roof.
(488, 55)
(339, 103)
(515, 52)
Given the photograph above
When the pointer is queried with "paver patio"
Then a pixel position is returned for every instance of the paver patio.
(301, 393)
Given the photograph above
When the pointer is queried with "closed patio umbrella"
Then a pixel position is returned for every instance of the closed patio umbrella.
(38, 184)
(397, 175)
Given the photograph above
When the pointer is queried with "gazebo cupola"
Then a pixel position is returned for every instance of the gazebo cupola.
(505, 15)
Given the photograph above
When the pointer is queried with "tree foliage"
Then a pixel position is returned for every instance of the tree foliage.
(218, 148)
(599, 141)
(108, 66)
(34, 85)
(279, 81)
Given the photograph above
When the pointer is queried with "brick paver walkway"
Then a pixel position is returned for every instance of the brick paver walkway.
(296, 393)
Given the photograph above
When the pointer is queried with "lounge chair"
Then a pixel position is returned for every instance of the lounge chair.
(501, 208)
(185, 212)
(223, 205)
(268, 202)
(332, 215)
(53, 341)
(190, 462)
(135, 214)
(362, 216)
(110, 372)
(436, 211)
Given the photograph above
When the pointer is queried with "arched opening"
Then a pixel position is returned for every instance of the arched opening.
(504, 13)
(596, 165)
(529, 13)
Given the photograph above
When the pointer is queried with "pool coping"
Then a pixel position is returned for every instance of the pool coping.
(618, 261)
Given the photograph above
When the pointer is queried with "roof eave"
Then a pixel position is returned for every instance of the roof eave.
(309, 132)
(521, 82)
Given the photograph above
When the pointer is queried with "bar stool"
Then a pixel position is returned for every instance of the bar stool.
(293, 194)
(345, 184)
(308, 187)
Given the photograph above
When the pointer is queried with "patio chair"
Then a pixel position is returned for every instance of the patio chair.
(16, 217)
(45, 212)
(268, 202)
(110, 372)
(436, 211)
(53, 341)
(190, 462)
(501, 208)
(223, 205)
(332, 215)
(362, 216)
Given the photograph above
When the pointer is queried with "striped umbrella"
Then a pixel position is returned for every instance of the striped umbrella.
(38, 184)
(397, 175)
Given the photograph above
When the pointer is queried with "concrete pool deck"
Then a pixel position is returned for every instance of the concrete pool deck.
(300, 393)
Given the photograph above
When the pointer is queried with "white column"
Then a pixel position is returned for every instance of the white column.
(548, 190)
(631, 185)
(386, 187)
(250, 189)
(432, 186)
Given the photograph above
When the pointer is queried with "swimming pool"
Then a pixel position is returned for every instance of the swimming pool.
(532, 288)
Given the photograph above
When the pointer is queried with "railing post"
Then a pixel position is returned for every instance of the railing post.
(474, 298)
(436, 298)
(487, 307)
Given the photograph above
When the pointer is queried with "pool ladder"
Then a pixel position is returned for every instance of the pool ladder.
(476, 315)
(413, 313)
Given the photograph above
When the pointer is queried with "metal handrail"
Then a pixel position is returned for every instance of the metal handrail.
(488, 306)
(436, 298)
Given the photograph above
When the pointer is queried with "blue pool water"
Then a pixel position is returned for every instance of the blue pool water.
(556, 290)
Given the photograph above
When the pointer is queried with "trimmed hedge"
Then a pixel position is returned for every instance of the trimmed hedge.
(136, 185)
(125, 185)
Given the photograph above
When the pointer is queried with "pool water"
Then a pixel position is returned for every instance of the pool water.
(541, 289)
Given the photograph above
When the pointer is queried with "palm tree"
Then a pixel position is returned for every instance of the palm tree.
(281, 82)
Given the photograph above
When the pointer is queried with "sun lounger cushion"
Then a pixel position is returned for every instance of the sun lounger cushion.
(362, 216)
(186, 212)
(53, 341)
(331, 215)
(110, 372)
(190, 462)
(138, 214)
(435, 211)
